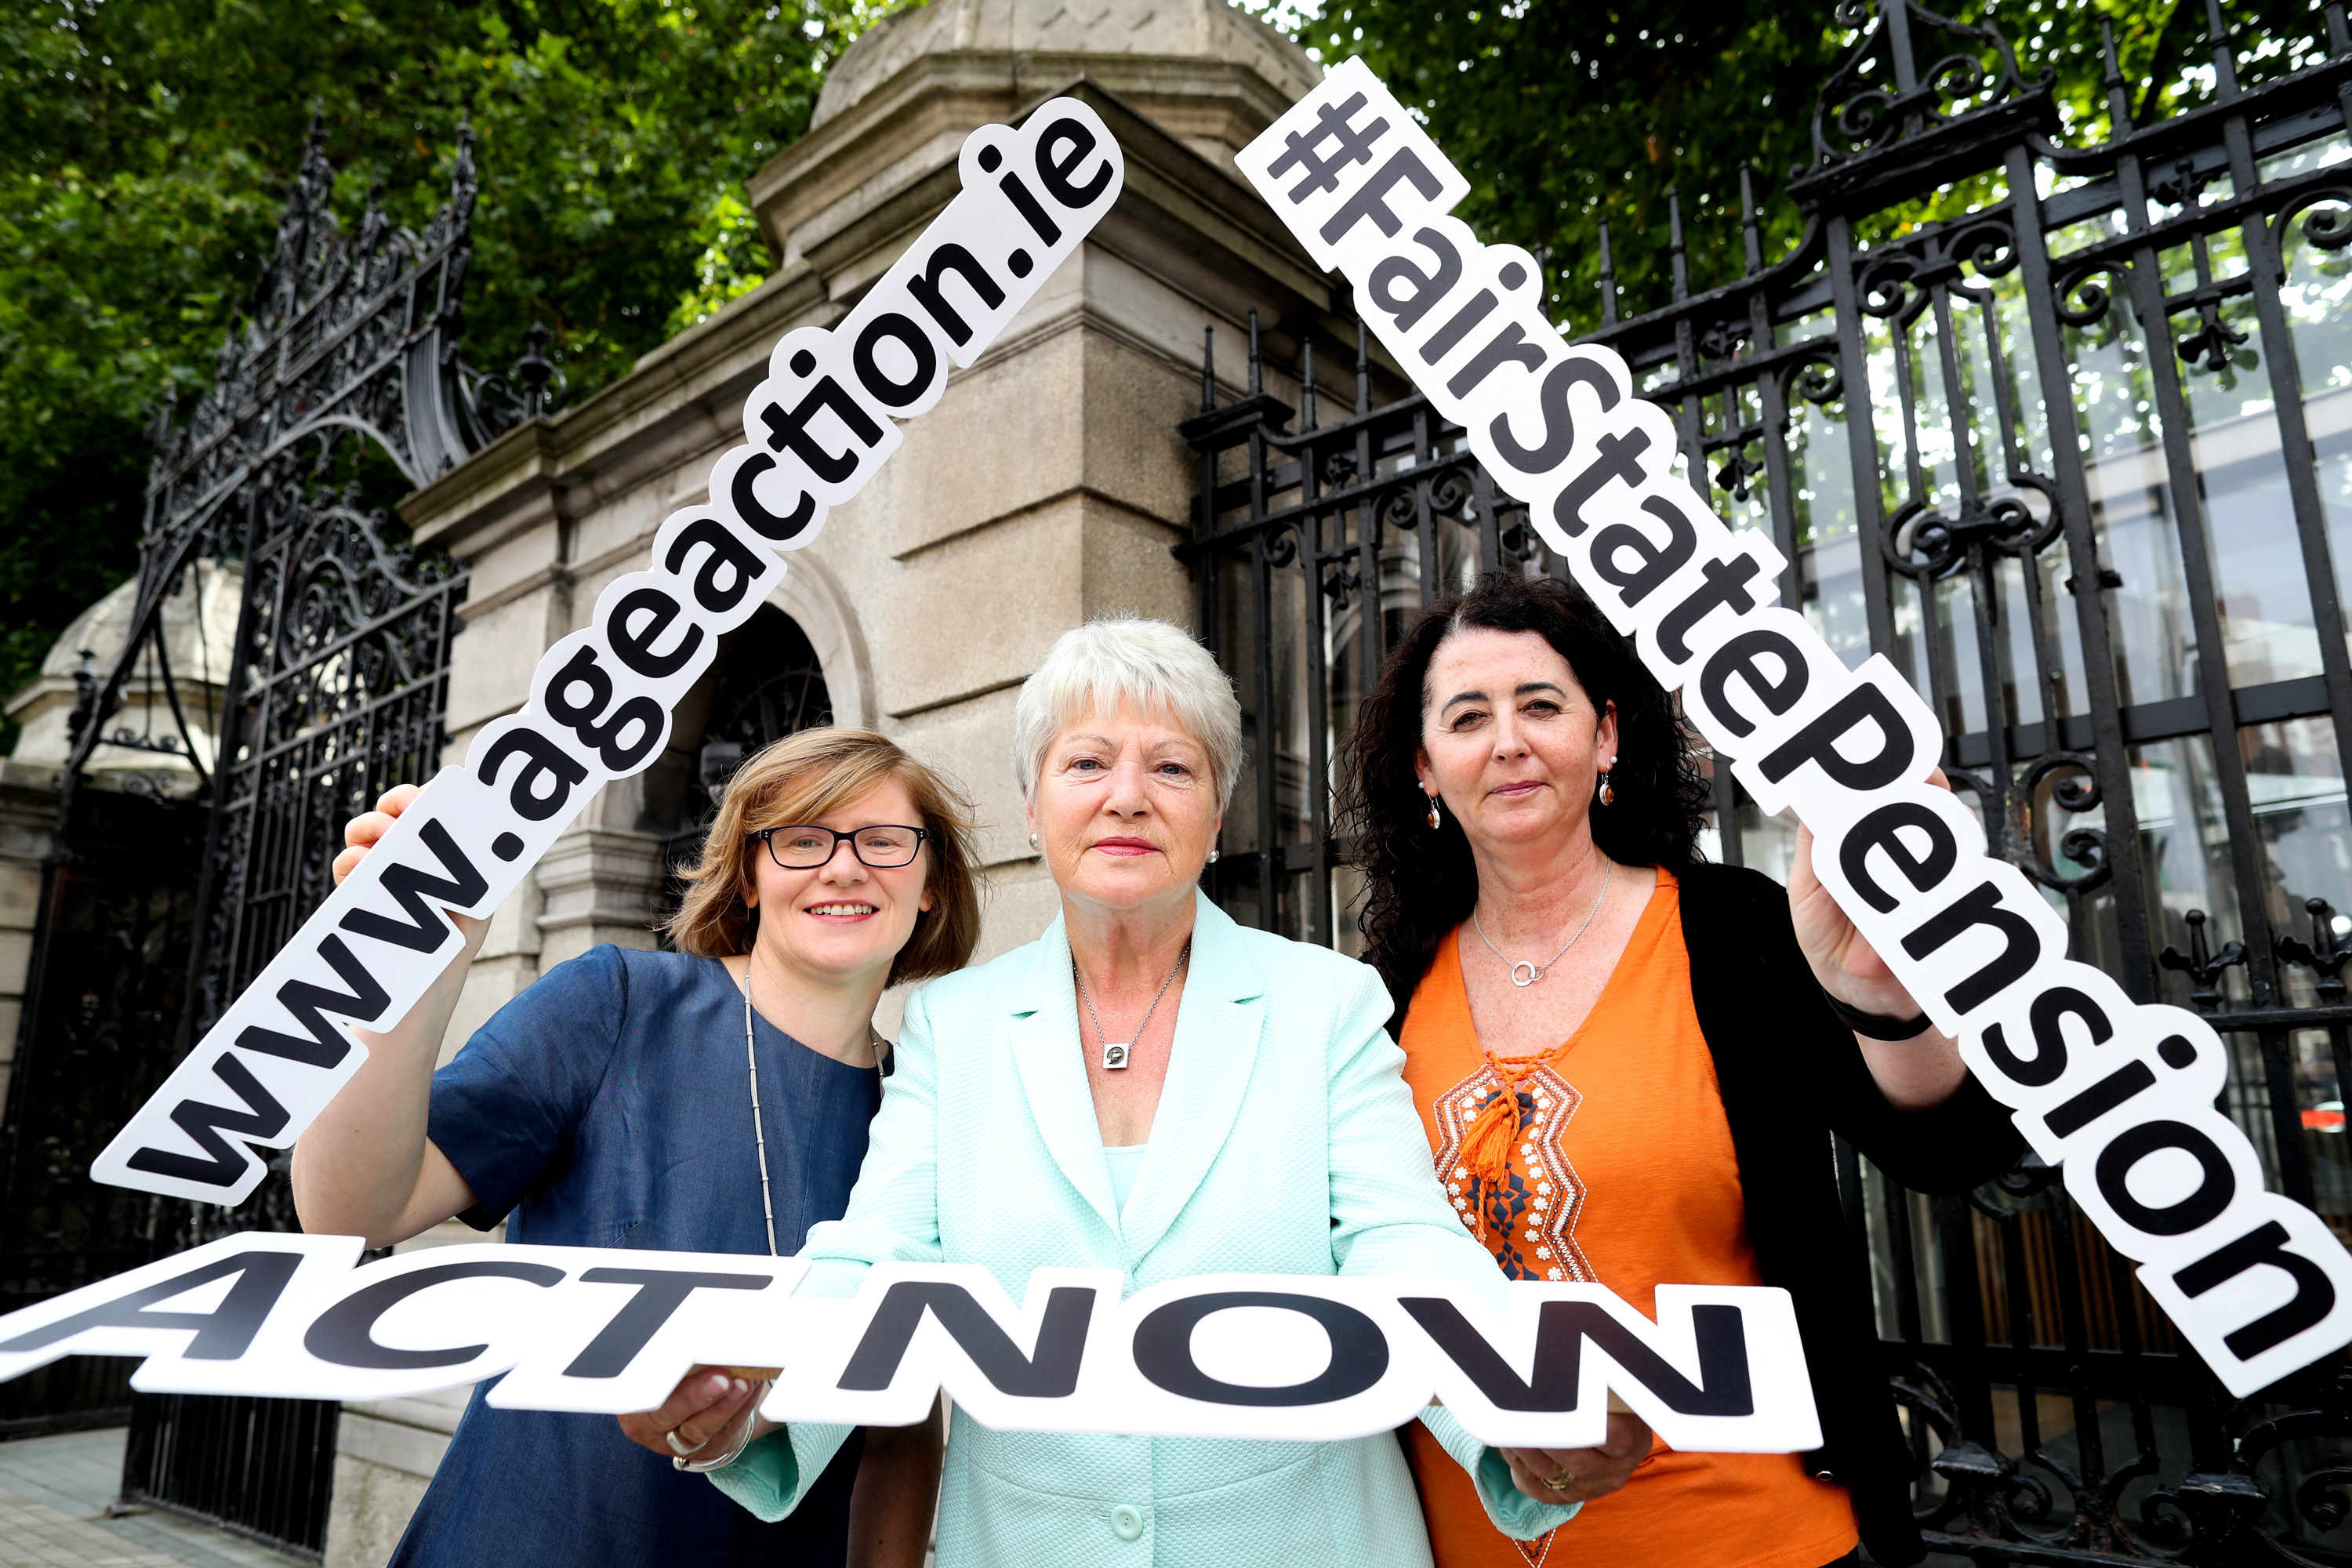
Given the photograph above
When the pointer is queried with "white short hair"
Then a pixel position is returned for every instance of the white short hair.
(1126, 661)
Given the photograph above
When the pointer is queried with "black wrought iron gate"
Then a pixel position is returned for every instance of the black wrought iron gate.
(344, 378)
(337, 693)
(2080, 462)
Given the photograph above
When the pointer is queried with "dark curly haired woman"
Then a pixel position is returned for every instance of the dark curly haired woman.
(1630, 1062)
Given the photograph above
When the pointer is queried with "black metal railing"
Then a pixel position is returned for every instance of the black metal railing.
(336, 690)
(246, 1466)
(2079, 461)
(337, 686)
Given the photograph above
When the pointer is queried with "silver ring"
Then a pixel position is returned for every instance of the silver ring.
(680, 1449)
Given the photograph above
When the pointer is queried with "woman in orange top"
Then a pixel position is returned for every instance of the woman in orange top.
(1630, 1063)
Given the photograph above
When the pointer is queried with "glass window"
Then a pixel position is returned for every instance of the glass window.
(2316, 1057)
(2315, 296)
(2295, 783)
(2184, 846)
(1768, 844)
(2259, 586)
(2149, 624)
(1829, 549)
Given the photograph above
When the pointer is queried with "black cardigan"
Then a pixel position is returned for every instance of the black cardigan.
(1790, 1076)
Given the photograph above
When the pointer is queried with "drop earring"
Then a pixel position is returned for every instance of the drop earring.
(1435, 819)
(1608, 790)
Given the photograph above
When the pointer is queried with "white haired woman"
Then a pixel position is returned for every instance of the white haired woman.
(1152, 1088)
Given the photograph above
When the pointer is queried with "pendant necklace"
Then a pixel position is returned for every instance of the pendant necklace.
(1114, 1058)
(759, 1128)
(1523, 974)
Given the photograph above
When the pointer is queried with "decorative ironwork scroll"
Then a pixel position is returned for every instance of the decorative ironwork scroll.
(337, 694)
(345, 337)
(2080, 463)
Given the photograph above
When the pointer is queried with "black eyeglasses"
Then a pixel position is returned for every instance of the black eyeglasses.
(804, 847)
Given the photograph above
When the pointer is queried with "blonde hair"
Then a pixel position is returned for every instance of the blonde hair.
(1126, 661)
(801, 778)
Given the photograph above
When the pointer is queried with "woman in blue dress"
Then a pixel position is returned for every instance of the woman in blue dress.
(711, 1100)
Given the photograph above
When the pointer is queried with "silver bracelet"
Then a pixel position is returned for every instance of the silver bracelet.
(703, 1467)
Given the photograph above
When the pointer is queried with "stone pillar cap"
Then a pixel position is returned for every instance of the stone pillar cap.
(1044, 44)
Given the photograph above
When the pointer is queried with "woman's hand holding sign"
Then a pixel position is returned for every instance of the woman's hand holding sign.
(703, 1418)
(713, 1415)
(1579, 1475)
(1912, 1074)
(361, 834)
(365, 1166)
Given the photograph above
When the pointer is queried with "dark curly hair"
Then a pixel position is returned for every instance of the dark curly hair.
(1420, 884)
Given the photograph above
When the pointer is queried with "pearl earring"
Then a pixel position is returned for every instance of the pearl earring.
(1214, 854)
(1034, 844)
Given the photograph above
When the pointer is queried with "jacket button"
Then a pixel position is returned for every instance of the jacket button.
(1125, 1522)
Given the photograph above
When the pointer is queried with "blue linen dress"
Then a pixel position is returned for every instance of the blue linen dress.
(608, 1106)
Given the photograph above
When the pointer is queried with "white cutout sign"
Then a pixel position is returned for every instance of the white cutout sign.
(2122, 1094)
(1273, 1357)
(816, 429)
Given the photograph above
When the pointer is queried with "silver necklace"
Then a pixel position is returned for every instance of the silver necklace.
(1114, 1058)
(759, 1127)
(1535, 972)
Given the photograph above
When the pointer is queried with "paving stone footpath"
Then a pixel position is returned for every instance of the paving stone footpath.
(54, 1495)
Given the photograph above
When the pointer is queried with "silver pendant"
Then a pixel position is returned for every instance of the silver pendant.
(1114, 1057)
(1529, 971)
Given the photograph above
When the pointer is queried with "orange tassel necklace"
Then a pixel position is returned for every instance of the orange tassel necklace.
(1487, 1142)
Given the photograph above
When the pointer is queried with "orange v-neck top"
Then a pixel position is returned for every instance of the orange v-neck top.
(1624, 1174)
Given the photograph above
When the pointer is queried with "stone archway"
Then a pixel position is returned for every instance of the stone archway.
(769, 681)
(815, 598)
(615, 879)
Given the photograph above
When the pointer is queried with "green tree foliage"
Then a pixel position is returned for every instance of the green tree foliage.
(1565, 113)
(148, 144)
(146, 154)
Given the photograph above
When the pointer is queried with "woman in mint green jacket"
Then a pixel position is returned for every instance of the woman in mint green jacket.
(1153, 1087)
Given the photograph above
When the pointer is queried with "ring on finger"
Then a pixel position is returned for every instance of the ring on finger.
(1561, 1483)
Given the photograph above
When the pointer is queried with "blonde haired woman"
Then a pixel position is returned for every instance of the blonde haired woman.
(711, 1100)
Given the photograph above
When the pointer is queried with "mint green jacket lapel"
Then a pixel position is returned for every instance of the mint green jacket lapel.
(1208, 1072)
(1044, 1037)
(1218, 1020)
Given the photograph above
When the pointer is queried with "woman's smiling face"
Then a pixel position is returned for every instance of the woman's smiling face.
(844, 916)
(1509, 739)
(1126, 809)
